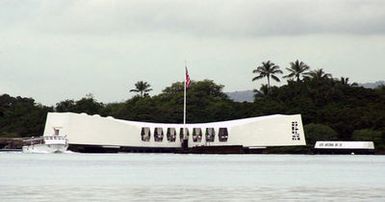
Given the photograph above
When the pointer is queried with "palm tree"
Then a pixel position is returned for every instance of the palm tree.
(297, 69)
(142, 87)
(318, 74)
(268, 69)
(262, 92)
(345, 81)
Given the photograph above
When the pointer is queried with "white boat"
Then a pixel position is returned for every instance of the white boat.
(344, 147)
(46, 144)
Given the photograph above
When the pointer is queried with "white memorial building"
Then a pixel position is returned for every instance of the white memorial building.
(93, 133)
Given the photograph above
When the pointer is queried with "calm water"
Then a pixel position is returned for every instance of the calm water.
(165, 177)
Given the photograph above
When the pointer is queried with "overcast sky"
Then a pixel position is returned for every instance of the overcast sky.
(61, 49)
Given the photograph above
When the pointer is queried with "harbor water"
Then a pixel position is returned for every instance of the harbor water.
(175, 177)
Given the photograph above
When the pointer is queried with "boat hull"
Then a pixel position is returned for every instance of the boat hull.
(45, 149)
(230, 149)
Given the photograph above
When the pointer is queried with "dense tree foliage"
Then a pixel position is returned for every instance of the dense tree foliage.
(319, 132)
(20, 117)
(86, 104)
(205, 102)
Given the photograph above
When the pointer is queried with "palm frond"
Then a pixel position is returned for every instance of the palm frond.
(275, 78)
(289, 75)
(257, 77)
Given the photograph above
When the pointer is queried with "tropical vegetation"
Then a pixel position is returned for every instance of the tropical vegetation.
(296, 70)
(268, 70)
(142, 88)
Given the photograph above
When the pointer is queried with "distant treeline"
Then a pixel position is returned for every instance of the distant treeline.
(332, 109)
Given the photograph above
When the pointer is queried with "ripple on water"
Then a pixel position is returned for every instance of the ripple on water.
(177, 193)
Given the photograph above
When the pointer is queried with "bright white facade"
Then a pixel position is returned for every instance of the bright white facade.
(83, 129)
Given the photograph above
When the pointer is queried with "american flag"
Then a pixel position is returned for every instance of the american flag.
(188, 81)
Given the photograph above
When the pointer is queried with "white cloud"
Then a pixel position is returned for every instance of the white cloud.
(201, 18)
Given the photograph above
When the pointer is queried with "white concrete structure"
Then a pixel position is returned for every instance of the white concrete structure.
(107, 132)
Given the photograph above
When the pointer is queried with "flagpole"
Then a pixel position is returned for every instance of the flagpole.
(184, 102)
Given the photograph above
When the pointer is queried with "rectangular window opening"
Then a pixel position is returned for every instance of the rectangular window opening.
(171, 134)
(146, 134)
(158, 134)
(181, 133)
(223, 134)
(197, 135)
(210, 134)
